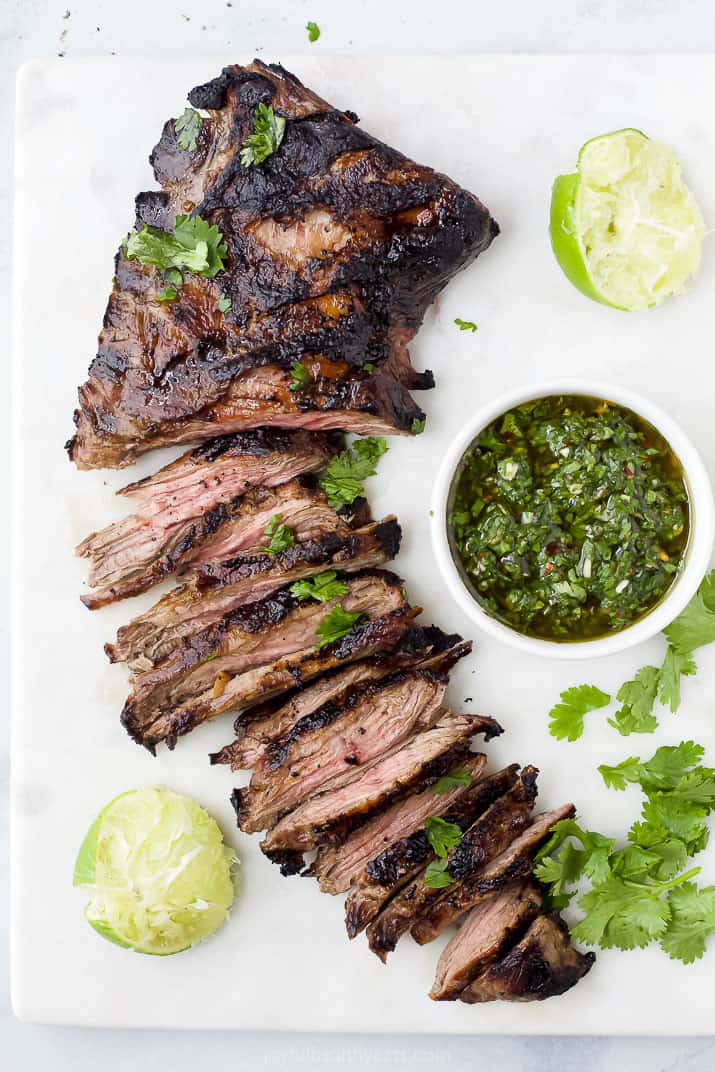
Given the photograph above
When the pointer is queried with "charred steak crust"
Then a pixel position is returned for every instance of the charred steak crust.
(336, 246)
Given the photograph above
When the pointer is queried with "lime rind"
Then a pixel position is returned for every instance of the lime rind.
(159, 875)
(624, 227)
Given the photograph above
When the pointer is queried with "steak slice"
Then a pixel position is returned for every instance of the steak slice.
(371, 718)
(490, 929)
(510, 865)
(542, 965)
(425, 757)
(420, 647)
(392, 868)
(487, 836)
(337, 866)
(226, 529)
(258, 651)
(215, 590)
(335, 246)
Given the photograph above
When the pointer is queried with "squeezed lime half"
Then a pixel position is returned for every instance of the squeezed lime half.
(625, 228)
(159, 875)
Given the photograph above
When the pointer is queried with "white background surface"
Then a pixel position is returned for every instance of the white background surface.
(160, 29)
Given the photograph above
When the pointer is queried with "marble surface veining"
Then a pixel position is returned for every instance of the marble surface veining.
(169, 28)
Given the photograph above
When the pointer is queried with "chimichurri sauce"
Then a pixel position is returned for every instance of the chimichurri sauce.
(569, 517)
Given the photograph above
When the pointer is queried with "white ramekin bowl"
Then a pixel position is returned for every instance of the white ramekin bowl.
(698, 551)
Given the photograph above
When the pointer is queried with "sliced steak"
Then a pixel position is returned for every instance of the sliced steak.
(334, 247)
(510, 865)
(260, 650)
(329, 816)
(420, 647)
(396, 865)
(487, 836)
(371, 718)
(542, 965)
(337, 866)
(491, 928)
(203, 600)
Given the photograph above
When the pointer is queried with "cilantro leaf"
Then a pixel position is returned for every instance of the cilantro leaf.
(451, 781)
(323, 587)
(465, 325)
(193, 246)
(437, 877)
(675, 665)
(694, 626)
(566, 718)
(225, 305)
(187, 128)
(692, 921)
(442, 835)
(337, 624)
(637, 697)
(168, 294)
(268, 131)
(281, 537)
(417, 426)
(663, 771)
(621, 914)
(301, 376)
(342, 478)
(313, 31)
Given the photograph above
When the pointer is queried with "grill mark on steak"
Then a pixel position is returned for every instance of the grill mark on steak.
(258, 651)
(487, 836)
(216, 589)
(512, 864)
(227, 528)
(329, 816)
(542, 965)
(337, 866)
(392, 869)
(373, 718)
(337, 245)
(491, 928)
(420, 647)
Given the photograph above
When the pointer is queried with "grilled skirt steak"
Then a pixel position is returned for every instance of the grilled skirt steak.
(420, 647)
(397, 864)
(542, 965)
(512, 864)
(335, 246)
(337, 867)
(214, 590)
(329, 816)
(372, 718)
(261, 650)
(488, 835)
(490, 929)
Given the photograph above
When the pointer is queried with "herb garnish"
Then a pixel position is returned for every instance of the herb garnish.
(338, 623)
(188, 127)
(640, 892)
(465, 325)
(313, 31)
(268, 131)
(451, 781)
(224, 304)
(417, 425)
(281, 537)
(442, 836)
(323, 587)
(168, 294)
(343, 476)
(301, 376)
(193, 246)
(566, 718)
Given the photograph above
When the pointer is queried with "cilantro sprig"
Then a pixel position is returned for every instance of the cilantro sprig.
(642, 891)
(193, 246)
(443, 836)
(337, 624)
(188, 127)
(452, 781)
(322, 588)
(342, 479)
(301, 376)
(280, 537)
(566, 717)
(465, 325)
(268, 131)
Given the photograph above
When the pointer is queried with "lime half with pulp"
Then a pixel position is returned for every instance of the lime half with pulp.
(625, 228)
(157, 870)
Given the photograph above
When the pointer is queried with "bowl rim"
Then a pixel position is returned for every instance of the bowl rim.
(698, 551)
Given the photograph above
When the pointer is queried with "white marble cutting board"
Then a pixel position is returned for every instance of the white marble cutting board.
(504, 126)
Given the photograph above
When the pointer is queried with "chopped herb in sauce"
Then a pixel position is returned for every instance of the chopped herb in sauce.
(569, 518)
